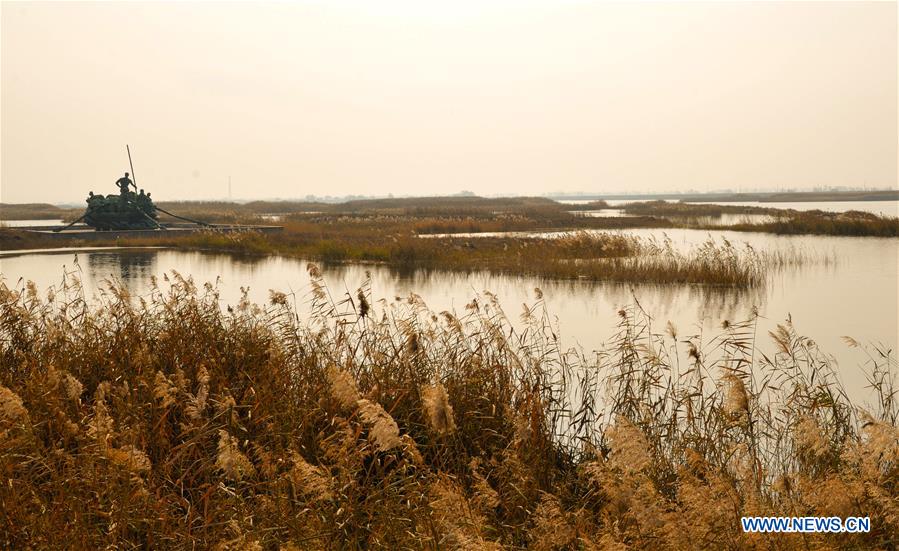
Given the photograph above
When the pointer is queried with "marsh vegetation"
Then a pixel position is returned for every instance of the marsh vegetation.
(479, 214)
(577, 255)
(391, 232)
(174, 423)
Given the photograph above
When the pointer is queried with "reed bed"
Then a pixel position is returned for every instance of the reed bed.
(397, 241)
(784, 222)
(167, 421)
(851, 223)
(32, 211)
(712, 262)
(430, 215)
(591, 256)
(12, 239)
(665, 208)
(590, 205)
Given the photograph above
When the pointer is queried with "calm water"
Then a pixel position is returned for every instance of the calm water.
(729, 219)
(601, 213)
(23, 223)
(855, 295)
(887, 208)
(722, 220)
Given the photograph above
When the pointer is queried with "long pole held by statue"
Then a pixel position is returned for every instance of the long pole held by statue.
(133, 177)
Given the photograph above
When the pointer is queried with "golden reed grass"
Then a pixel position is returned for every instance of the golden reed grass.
(168, 422)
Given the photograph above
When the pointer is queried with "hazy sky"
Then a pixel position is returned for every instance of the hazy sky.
(335, 98)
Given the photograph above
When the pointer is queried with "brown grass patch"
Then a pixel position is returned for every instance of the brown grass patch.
(195, 427)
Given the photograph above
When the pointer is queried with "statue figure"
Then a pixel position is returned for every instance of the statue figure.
(130, 209)
(124, 184)
(93, 199)
(143, 202)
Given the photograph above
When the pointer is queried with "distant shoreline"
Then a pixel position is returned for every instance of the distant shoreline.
(39, 211)
(761, 197)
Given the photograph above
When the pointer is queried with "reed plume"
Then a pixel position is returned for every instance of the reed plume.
(438, 409)
(230, 460)
(383, 430)
(12, 409)
(343, 387)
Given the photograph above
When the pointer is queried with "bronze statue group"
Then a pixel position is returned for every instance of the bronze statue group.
(141, 200)
(128, 210)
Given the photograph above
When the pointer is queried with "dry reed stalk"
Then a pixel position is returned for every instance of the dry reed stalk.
(231, 461)
(736, 400)
(343, 387)
(551, 529)
(101, 425)
(438, 409)
(630, 450)
(312, 482)
(410, 449)
(383, 430)
(130, 458)
(12, 409)
(460, 526)
(196, 403)
(810, 438)
(165, 391)
(485, 497)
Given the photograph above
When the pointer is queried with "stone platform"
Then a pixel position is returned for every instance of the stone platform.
(85, 232)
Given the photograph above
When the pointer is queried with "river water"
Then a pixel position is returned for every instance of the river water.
(854, 293)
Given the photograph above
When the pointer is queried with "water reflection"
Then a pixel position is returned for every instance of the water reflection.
(725, 219)
(586, 309)
(601, 213)
(132, 268)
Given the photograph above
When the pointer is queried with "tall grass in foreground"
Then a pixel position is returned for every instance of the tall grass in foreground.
(163, 421)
